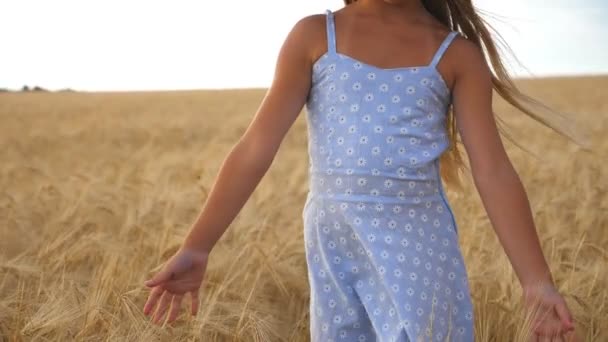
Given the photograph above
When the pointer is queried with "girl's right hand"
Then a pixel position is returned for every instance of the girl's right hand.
(551, 320)
(182, 273)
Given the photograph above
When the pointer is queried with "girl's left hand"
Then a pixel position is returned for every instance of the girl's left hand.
(552, 320)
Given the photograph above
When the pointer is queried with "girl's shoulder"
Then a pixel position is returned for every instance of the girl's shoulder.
(311, 33)
(465, 56)
(461, 56)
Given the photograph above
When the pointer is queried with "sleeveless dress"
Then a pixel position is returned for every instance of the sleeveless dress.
(381, 242)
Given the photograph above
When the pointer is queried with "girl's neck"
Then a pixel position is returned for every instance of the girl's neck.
(388, 9)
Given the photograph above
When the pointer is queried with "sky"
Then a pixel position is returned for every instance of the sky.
(120, 45)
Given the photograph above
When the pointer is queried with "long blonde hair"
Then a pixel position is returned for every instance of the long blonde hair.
(461, 15)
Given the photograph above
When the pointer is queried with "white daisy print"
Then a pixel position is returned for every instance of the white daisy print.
(416, 261)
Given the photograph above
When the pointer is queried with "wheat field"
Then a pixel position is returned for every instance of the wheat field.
(98, 189)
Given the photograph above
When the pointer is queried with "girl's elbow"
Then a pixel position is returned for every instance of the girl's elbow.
(493, 171)
(257, 155)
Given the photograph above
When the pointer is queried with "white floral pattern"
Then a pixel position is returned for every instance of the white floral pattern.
(380, 237)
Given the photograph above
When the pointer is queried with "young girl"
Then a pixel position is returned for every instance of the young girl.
(378, 78)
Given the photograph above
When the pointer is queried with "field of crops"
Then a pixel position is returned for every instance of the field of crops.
(98, 189)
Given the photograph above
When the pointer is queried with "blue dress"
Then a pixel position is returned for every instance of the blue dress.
(381, 242)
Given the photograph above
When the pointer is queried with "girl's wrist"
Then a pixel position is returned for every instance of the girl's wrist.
(538, 282)
(192, 244)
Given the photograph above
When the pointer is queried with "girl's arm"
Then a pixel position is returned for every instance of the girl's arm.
(500, 188)
(252, 155)
(502, 193)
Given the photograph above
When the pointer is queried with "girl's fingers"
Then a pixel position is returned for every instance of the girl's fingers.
(564, 314)
(544, 317)
(533, 337)
(550, 329)
(194, 297)
(562, 338)
(152, 299)
(572, 336)
(164, 303)
(176, 304)
(159, 278)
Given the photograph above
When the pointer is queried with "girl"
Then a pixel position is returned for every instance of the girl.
(378, 78)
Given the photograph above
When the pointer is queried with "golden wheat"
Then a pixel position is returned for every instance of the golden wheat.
(98, 189)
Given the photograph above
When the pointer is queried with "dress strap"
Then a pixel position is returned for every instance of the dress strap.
(331, 31)
(443, 47)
